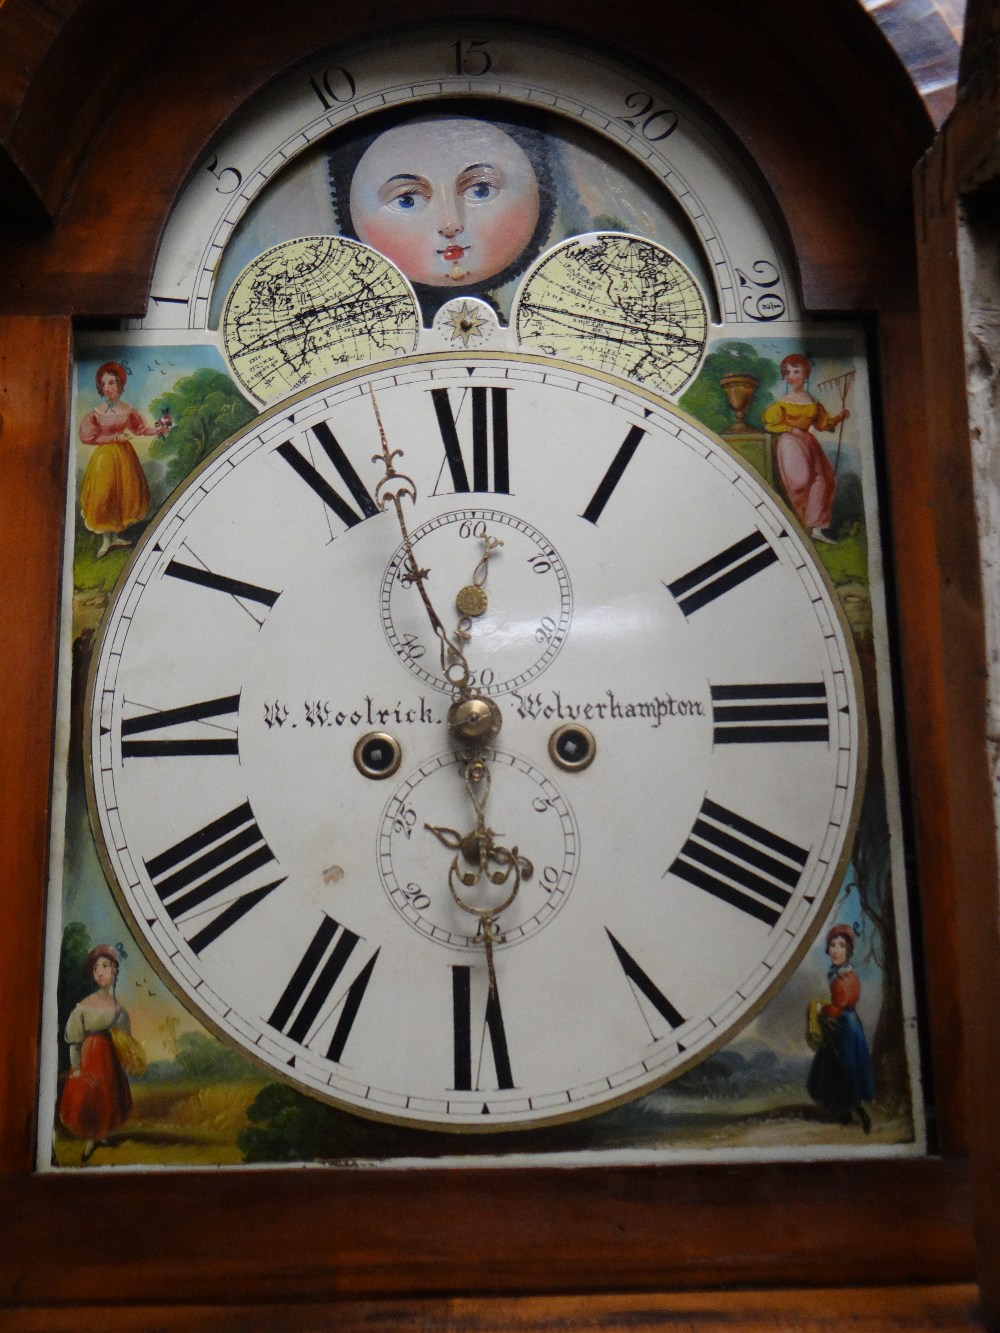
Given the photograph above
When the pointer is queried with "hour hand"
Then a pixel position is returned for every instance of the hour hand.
(449, 836)
(478, 847)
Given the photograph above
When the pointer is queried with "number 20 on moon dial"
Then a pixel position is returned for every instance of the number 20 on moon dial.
(302, 908)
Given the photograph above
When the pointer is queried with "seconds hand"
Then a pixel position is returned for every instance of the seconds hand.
(473, 718)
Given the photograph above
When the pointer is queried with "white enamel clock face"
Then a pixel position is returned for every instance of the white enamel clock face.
(647, 589)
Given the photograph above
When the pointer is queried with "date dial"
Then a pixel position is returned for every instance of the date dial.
(526, 809)
(528, 599)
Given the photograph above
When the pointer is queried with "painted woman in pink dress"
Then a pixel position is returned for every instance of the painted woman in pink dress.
(96, 1097)
(115, 493)
(805, 471)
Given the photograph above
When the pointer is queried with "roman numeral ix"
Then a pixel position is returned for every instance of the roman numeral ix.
(194, 876)
(187, 744)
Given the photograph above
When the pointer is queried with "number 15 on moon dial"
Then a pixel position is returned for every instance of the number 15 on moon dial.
(305, 910)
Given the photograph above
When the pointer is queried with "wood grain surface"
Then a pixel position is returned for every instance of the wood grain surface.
(930, 1309)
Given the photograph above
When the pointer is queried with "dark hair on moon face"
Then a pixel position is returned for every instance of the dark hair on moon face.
(346, 152)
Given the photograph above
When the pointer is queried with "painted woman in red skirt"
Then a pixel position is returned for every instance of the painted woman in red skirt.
(96, 1097)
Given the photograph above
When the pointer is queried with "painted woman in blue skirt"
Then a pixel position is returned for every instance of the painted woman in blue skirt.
(840, 1078)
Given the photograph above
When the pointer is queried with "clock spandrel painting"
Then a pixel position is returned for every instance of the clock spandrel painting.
(476, 676)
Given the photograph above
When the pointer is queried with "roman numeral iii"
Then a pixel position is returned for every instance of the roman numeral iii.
(765, 714)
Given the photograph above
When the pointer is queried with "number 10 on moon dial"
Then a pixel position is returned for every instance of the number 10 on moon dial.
(261, 630)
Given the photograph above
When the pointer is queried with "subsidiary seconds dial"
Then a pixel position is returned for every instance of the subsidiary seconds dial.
(527, 612)
(271, 882)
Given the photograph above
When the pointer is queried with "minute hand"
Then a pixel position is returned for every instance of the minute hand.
(473, 719)
(392, 488)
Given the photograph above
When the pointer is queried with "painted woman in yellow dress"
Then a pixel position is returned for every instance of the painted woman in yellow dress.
(805, 471)
(115, 493)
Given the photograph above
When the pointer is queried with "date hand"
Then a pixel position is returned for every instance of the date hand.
(479, 849)
(469, 845)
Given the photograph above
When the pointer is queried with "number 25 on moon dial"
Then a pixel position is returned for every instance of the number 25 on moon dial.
(261, 629)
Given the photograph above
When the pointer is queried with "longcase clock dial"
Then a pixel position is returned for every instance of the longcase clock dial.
(308, 913)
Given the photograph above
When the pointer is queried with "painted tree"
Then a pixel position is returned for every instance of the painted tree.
(206, 408)
(73, 983)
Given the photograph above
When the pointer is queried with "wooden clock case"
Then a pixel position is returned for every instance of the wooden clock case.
(105, 108)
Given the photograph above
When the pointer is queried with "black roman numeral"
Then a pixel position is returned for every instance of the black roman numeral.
(764, 714)
(614, 474)
(200, 868)
(724, 571)
(641, 981)
(366, 506)
(489, 438)
(306, 997)
(741, 863)
(242, 591)
(461, 986)
(160, 719)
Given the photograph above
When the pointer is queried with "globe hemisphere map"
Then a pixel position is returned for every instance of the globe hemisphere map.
(618, 303)
(312, 307)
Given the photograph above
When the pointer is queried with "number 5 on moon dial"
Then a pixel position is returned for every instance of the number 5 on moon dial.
(246, 653)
